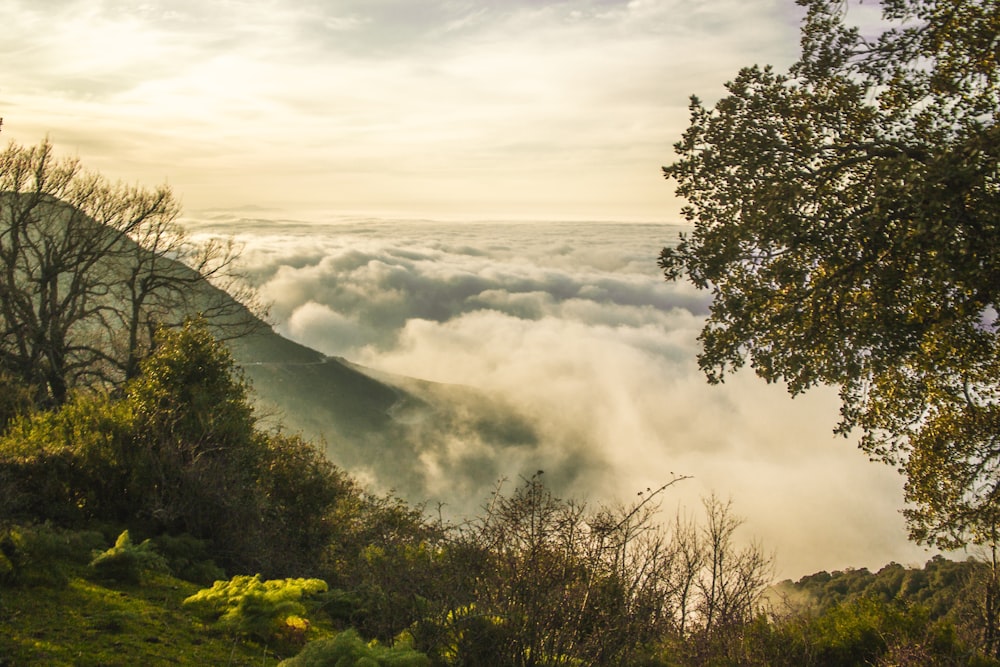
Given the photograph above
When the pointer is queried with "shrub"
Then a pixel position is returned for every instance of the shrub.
(303, 499)
(188, 558)
(251, 607)
(348, 650)
(69, 465)
(126, 562)
(38, 555)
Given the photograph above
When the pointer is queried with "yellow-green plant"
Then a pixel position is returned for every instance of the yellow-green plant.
(127, 562)
(250, 606)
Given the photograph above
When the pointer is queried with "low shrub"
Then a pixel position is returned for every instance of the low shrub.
(348, 650)
(264, 610)
(38, 555)
(188, 558)
(126, 562)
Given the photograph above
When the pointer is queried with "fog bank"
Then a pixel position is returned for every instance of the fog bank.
(573, 324)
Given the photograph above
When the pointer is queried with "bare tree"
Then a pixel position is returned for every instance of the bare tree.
(730, 583)
(686, 567)
(89, 268)
(554, 582)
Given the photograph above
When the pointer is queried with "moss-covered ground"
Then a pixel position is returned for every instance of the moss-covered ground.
(89, 624)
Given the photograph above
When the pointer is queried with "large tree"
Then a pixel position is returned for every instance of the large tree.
(89, 269)
(847, 221)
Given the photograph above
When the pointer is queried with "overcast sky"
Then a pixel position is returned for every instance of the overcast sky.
(436, 108)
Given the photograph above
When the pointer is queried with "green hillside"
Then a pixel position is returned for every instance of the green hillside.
(373, 422)
(86, 623)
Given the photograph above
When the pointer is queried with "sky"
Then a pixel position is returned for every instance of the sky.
(438, 108)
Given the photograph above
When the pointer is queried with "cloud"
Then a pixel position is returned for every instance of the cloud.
(513, 108)
(573, 325)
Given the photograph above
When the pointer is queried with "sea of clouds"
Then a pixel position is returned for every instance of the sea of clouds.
(573, 324)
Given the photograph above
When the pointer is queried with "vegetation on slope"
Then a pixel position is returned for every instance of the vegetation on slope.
(64, 616)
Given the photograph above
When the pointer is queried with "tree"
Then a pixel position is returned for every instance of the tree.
(551, 582)
(89, 269)
(178, 453)
(847, 221)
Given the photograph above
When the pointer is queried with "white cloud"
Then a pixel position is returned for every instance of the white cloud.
(573, 324)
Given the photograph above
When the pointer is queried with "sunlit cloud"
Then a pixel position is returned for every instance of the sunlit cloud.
(473, 108)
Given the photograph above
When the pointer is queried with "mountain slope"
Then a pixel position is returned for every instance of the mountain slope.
(426, 441)
(394, 432)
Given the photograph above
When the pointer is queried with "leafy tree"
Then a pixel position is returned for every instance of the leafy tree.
(847, 221)
(180, 453)
(89, 269)
(315, 503)
(946, 589)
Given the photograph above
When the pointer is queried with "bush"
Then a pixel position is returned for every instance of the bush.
(303, 499)
(126, 562)
(348, 650)
(254, 608)
(39, 555)
(188, 558)
(69, 465)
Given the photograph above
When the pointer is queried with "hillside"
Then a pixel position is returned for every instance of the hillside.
(88, 623)
(375, 424)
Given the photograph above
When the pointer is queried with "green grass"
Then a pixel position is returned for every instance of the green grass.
(90, 624)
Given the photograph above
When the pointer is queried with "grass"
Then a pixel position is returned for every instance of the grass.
(91, 624)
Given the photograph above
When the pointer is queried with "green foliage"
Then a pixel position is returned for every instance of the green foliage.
(196, 453)
(180, 453)
(862, 631)
(314, 503)
(40, 555)
(87, 624)
(940, 586)
(188, 558)
(389, 558)
(249, 606)
(932, 615)
(347, 649)
(126, 562)
(190, 390)
(69, 465)
(847, 220)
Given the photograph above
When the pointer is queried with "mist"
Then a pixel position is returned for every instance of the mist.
(574, 326)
